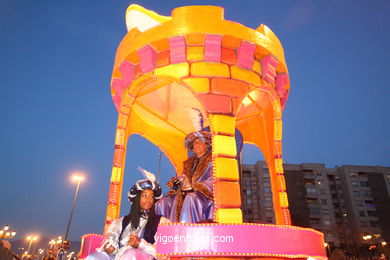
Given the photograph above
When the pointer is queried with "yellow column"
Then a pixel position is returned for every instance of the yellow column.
(226, 178)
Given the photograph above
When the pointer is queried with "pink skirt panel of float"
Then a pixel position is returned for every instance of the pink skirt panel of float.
(89, 243)
(239, 240)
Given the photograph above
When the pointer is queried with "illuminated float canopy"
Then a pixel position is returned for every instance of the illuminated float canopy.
(238, 78)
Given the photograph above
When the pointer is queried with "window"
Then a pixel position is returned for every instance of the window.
(314, 221)
(365, 223)
(311, 190)
(364, 184)
(311, 200)
(309, 181)
(314, 210)
(266, 180)
(362, 213)
(267, 198)
(322, 191)
(246, 174)
(325, 211)
(371, 213)
(362, 174)
(319, 174)
(355, 184)
(323, 202)
(374, 223)
(327, 222)
(366, 193)
(356, 193)
(267, 189)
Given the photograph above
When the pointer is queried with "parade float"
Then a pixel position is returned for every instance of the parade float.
(237, 78)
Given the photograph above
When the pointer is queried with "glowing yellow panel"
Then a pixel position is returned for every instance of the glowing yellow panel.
(199, 85)
(245, 75)
(195, 53)
(116, 174)
(278, 165)
(224, 145)
(124, 109)
(122, 120)
(256, 67)
(283, 199)
(281, 183)
(226, 168)
(223, 124)
(228, 215)
(120, 136)
(278, 129)
(210, 69)
(175, 70)
(112, 211)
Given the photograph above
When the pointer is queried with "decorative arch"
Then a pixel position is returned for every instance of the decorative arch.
(155, 105)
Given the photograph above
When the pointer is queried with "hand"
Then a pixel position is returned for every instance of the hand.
(109, 249)
(174, 183)
(134, 241)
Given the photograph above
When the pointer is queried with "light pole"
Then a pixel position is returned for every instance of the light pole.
(31, 239)
(78, 179)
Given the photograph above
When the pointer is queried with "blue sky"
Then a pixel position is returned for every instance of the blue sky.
(57, 114)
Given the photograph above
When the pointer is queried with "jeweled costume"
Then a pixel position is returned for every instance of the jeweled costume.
(193, 202)
(118, 233)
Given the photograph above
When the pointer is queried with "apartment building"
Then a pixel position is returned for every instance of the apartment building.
(346, 203)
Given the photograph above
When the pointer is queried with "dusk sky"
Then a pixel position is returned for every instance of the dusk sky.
(57, 115)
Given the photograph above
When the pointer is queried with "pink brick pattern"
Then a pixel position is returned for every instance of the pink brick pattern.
(268, 65)
(128, 70)
(241, 55)
(117, 101)
(283, 100)
(281, 84)
(148, 58)
(212, 48)
(245, 55)
(177, 47)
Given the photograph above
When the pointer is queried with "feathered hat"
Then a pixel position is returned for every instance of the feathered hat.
(148, 183)
(197, 122)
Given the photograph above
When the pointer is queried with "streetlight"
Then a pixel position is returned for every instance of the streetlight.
(78, 179)
(52, 243)
(367, 237)
(31, 239)
(5, 233)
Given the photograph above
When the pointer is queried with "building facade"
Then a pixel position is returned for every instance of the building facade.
(349, 204)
